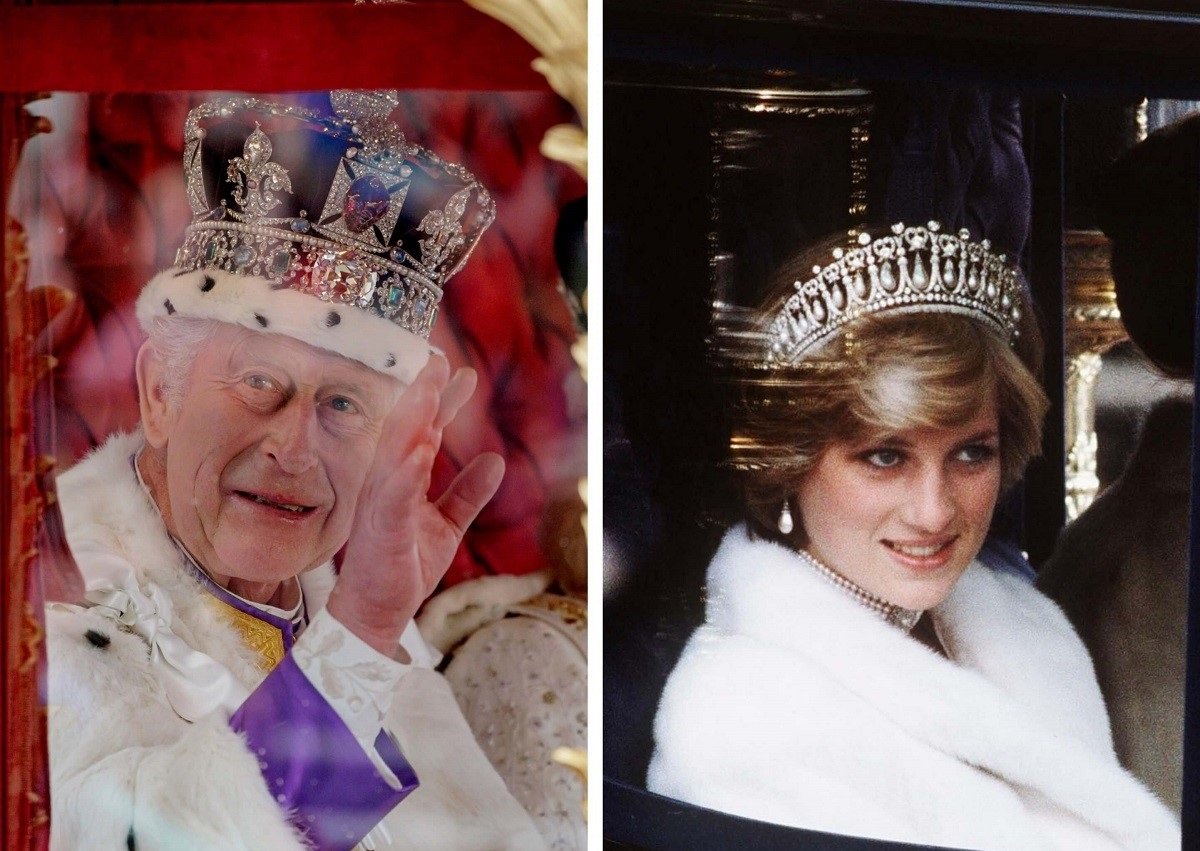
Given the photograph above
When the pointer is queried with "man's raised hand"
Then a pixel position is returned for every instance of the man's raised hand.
(401, 543)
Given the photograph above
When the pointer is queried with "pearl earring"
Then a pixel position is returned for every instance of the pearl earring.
(785, 520)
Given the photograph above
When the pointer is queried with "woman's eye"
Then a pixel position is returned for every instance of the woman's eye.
(977, 453)
(883, 458)
(259, 382)
(343, 405)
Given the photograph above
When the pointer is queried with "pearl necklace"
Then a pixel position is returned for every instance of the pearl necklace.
(898, 616)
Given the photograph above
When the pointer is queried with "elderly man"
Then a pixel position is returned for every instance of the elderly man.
(220, 687)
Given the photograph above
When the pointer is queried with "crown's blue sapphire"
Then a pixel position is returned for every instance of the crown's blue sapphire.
(243, 256)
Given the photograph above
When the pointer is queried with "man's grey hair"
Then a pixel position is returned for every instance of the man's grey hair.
(177, 340)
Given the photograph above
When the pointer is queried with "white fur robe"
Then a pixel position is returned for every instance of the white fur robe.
(795, 704)
(122, 762)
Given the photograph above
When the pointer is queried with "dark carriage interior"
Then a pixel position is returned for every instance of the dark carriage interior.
(719, 118)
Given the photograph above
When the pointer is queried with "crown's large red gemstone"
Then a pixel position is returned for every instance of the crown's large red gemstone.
(367, 202)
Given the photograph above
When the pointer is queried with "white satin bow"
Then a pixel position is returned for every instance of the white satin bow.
(196, 684)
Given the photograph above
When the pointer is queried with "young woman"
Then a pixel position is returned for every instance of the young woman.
(860, 671)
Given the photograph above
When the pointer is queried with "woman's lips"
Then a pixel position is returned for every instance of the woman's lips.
(923, 555)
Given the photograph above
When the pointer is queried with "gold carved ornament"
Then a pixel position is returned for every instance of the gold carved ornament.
(557, 29)
(28, 541)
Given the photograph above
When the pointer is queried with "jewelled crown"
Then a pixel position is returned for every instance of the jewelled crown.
(332, 204)
(912, 269)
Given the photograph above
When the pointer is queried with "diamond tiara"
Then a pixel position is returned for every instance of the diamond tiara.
(914, 269)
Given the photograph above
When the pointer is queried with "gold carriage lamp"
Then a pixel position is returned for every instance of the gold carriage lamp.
(1093, 324)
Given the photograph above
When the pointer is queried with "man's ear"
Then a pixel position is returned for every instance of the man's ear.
(156, 412)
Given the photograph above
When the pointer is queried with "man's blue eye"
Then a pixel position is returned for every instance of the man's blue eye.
(343, 405)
